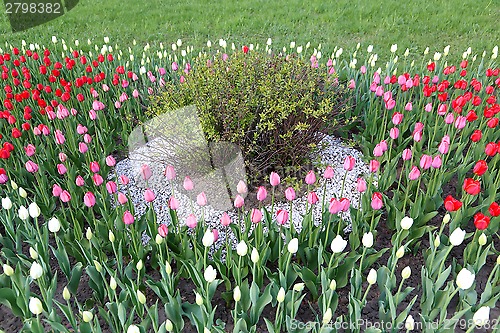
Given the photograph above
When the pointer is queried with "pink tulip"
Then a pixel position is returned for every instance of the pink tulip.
(201, 199)
(30, 150)
(394, 133)
(401, 80)
(163, 230)
(414, 173)
(345, 204)
(118, 105)
(449, 119)
(191, 221)
(146, 172)
(377, 151)
(428, 107)
(89, 199)
(387, 80)
(149, 195)
(111, 187)
(274, 179)
(80, 129)
(363, 69)
(110, 161)
(256, 215)
(373, 87)
(425, 161)
(390, 104)
(61, 169)
(3, 178)
(442, 109)
(60, 139)
(175, 66)
(446, 139)
(397, 118)
(328, 173)
(376, 78)
(352, 84)
(124, 180)
(418, 127)
(122, 198)
(261, 193)
(97, 178)
(443, 147)
(215, 232)
(312, 198)
(239, 201)
(460, 122)
(383, 145)
(135, 93)
(94, 167)
(128, 218)
(98, 105)
(82, 147)
(349, 163)
(225, 220)
(290, 194)
(65, 196)
(241, 188)
(408, 106)
(63, 157)
(310, 178)
(87, 138)
(188, 184)
(437, 162)
(173, 203)
(379, 91)
(335, 206)
(56, 190)
(31, 166)
(407, 154)
(79, 181)
(374, 165)
(169, 172)
(377, 201)
(361, 185)
(282, 216)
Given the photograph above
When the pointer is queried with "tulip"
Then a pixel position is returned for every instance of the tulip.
(65, 196)
(163, 230)
(133, 329)
(425, 161)
(254, 256)
(35, 306)
(173, 203)
(169, 172)
(8, 270)
(111, 187)
(237, 294)
(33, 253)
(256, 215)
(293, 246)
(238, 201)
(111, 236)
(261, 193)
(310, 178)
(188, 184)
(34, 210)
(146, 172)
(482, 239)
(191, 221)
(149, 195)
(335, 206)
(54, 225)
(241, 188)
(338, 244)
(122, 198)
(327, 316)
(124, 179)
(328, 174)
(405, 274)
(436, 162)
(457, 237)
(394, 133)
(23, 193)
(407, 154)
(298, 287)
(397, 118)
(361, 185)
(481, 221)
(36, 270)
(410, 323)
(482, 316)
(79, 181)
(406, 223)
(89, 234)
(494, 209)
(414, 173)
(465, 279)
(169, 326)
(274, 179)
(377, 201)
(367, 239)
(480, 167)
(471, 186)
(87, 316)
(60, 139)
(290, 194)
(208, 238)
(281, 295)
(110, 161)
(6, 203)
(31, 167)
(374, 166)
(97, 179)
(201, 199)
(225, 220)
(128, 218)
(349, 163)
(242, 248)
(89, 199)
(377, 151)
(94, 167)
(372, 277)
(210, 274)
(282, 216)
(56, 190)
(312, 198)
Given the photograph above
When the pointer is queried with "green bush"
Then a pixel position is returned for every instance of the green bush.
(275, 108)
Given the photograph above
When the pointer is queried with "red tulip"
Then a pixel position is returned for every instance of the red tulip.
(491, 149)
(481, 221)
(494, 209)
(471, 186)
(480, 168)
(451, 204)
(476, 136)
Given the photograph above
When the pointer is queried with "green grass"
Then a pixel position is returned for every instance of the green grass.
(411, 24)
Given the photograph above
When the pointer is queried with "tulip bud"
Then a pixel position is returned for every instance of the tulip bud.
(168, 268)
(333, 284)
(54, 225)
(198, 298)
(133, 329)
(35, 306)
(410, 323)
(66, 295)
(8, 270)
(242, 248)
(482, 239)
(400, 252)
(437, 242)
(498, 260)
(372, 277)
(88, 234)
(298, 287)
(112, 283)
(169, 326)
(367, 239)
(293, 246)
(98, 266)
(237, 294)
(14, 185)
(36, 270)
(446, 218)
(140, 297)
(139, 265)
(405, 274)
(87, 316)
(22, 193)
(255, 256)
(158, 239)
(210, 274)
(281, 295)
(111, 236)
(33, 253)
(406, 223)
(327, 316)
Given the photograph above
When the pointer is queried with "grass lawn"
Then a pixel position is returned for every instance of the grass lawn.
(343, 23)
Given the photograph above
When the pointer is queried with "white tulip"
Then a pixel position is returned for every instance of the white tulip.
(372, 276)
(237, 294)
(482, 239)
(33, 253)
(293, 246)
(367, 239)
(111, 236)
(133, 329)
(87, 316)
(333, 284)
(169, 326)
(405, 274)
(88, 233)
(198, 299)
(208, 238)
(457, 236)
(6, 203)
(369, 49)
(394, 48)
(35, 306)
(465, 279)
(255, 256)
(210, 274)
(23, 213)
(446, 218)
(327, 316)
(400, 252)
(54, 225)
(281, 295)
(482, 316)
(112, 283)
(338, 244)
(8, 270)
(298, 287)
(410, 323)
(34, 210)
(36, 270)
(406, 223)
(139, 265)
(66, 294)
(141, 297)
(242, 248)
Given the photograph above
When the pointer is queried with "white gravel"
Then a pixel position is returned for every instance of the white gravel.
(333, 154)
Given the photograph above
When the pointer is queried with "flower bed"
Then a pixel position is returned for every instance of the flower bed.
(421, 253)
